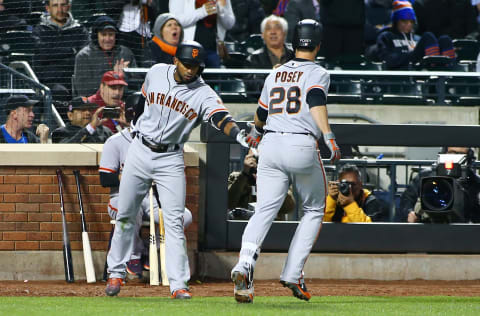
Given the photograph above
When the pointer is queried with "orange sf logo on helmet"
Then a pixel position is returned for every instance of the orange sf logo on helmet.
(194, 52)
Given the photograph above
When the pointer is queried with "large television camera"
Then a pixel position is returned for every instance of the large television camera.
(443, 196)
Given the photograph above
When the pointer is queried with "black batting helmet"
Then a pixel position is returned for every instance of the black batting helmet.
(191, 53)
(307, 34)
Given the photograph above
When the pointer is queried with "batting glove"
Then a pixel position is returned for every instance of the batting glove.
(242, 139)
(329, 139)
(254, 136)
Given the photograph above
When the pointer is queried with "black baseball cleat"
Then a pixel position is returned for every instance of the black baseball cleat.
(113, 286)
(299, 290)
(243, 286)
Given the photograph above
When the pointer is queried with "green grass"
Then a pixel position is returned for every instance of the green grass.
(216, 306)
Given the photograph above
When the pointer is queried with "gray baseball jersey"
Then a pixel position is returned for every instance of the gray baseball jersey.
(288, 155)
(172, 110)
(284, 96)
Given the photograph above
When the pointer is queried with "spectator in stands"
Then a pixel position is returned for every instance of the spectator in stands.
(167, 33)
(298, 10)
(58, 38)
(85, 126)
(16, 130)
(399, 47)
(275, 52)
(410, 206)
(134, 25)
(343, 27)
(110, 94)
(101, 55)
(13, 15)
(358, 205)
(248, 16)
(205, 23)
(242, 188)
(455, 18)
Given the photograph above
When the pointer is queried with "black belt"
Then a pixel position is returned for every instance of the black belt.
(160, 148)
(307, 134)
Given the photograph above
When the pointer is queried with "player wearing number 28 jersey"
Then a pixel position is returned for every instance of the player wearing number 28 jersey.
(292, 116)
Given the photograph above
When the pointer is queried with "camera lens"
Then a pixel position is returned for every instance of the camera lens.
(437, 194)
(344, 188)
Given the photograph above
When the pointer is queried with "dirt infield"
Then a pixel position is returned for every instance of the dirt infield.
(262, 288)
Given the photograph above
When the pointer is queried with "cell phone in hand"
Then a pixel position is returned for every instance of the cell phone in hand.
(111, 112)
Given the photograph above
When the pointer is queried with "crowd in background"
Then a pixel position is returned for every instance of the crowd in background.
(81, 47)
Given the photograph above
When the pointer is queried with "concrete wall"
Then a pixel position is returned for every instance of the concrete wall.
(352, 266)
(30, 217)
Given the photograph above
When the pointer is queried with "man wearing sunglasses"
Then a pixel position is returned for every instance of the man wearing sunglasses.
(349, 202)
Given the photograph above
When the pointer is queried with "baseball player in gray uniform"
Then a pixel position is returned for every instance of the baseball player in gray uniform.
(177, 100)
(111, 165)
(292, 115)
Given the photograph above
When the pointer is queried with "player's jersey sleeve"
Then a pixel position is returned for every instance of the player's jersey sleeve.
(318, 79)
(263, 100)
(212, 104)
(110, 161)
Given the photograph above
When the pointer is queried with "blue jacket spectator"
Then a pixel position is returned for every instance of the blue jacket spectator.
(399, 46)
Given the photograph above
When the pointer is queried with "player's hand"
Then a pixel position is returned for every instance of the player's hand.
(210, 7)
(333, 189)
(254, 136)
(241, 138)
(42, 132)
(329, 139)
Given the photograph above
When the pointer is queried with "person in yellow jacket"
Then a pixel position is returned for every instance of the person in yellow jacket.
(349, 202)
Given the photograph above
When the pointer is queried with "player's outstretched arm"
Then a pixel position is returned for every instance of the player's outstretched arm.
(224, 122)
(320, 116)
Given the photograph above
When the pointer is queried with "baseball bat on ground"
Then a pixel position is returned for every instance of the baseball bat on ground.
(163, 267)
(161, 230)
(153, 246)
(87, 251)
(67, 251)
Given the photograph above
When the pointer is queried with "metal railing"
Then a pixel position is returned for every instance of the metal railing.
(13, 81)
(355, 86)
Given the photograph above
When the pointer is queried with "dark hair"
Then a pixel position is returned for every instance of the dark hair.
(349, 168)
(47, 2)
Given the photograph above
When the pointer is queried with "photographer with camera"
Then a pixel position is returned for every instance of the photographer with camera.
(349, 202)
(110, 96)
(242, 190)
(84, 127)
(467, 197)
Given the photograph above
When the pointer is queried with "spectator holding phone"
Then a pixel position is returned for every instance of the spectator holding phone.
(349, 202)
(84, 127)
(110, 96)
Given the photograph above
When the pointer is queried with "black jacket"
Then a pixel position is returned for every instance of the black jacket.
(392, 47)
(260, 59)
(55, 49)
(346, 13)
(75, 134)
(154, 55)
(298, 10)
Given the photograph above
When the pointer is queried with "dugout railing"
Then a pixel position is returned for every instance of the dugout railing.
(216, 232)
(350, 86)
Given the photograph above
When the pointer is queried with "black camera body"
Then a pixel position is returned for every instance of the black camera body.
(344, 187)
(442, 195)
(111, 112)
